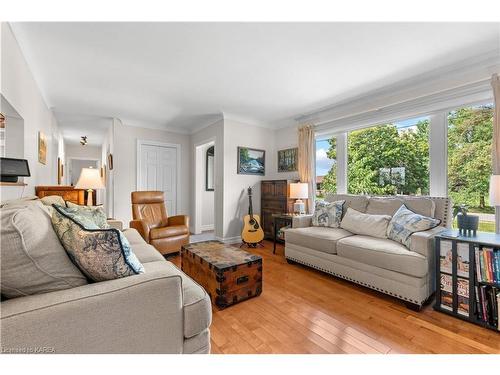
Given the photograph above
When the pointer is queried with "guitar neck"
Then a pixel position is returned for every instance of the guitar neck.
(250, 208)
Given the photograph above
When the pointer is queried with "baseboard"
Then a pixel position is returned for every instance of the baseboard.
(229, 239)
(207, 227)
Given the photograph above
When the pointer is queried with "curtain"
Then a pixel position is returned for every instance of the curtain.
(495, 83)
(307, 173)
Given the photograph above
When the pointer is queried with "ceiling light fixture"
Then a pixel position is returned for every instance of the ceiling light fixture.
(83, 140)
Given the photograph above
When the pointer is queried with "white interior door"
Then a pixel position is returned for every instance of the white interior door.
(158, 171)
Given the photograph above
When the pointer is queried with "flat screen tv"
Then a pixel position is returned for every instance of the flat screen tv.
(11, 169)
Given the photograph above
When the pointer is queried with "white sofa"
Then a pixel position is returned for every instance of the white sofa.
(160, 311)
(376, 263)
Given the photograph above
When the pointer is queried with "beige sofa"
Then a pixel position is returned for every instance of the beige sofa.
(376, 263)
(159, 311)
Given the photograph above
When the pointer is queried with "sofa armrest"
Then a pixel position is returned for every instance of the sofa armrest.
(178, 220)
(116, 224)
(301, 221)
(142, 227)
(423, 242)
(135, 314)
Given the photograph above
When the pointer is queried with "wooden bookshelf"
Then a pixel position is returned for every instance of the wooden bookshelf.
(468, 246)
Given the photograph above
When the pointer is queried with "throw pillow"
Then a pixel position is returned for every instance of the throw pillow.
(49, 200)
(365, 224)
(95, 214)
(327, 214)
(32, 259)
(406, 222)
(101, 254)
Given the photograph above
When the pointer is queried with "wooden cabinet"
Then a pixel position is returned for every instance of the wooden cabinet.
(275, 199)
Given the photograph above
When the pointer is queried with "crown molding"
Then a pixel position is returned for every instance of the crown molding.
(474, 69)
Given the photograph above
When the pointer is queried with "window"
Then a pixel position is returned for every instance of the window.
(470, 133)
(390, 159)
(326, 167)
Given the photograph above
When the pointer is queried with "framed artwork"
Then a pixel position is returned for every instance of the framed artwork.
(110, 162)
(251, 161)
(42, 148)
(59, 171)
(103, 174)
(288, 160)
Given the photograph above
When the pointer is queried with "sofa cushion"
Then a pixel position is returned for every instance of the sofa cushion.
(101, 254)
(356, 202)
(196, 302)
(318, 238)
(405, 222)
(365, 224)
(383, 253)
(420, 205)
(32, 258)
(383, 206)
(170, 231)
(327, 214)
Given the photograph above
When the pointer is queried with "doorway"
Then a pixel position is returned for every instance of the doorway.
(205, 172)
(158, 170)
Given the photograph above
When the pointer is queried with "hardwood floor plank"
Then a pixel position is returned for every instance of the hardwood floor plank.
(302, 310)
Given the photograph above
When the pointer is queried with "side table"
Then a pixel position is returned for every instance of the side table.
(281, 222)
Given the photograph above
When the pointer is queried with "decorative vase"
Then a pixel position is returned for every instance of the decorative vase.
(467, 224)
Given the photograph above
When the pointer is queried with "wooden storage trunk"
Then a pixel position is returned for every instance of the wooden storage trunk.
(228, 274)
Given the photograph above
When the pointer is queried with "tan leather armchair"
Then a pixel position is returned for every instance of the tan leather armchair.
(166, 234)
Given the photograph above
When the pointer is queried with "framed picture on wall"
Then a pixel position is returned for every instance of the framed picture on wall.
(251, 161)
(288, 160)
(42, 148)
(59, 171)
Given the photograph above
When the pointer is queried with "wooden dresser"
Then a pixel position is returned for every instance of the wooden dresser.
(275, 199)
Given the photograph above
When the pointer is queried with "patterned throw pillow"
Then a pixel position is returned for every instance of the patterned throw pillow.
(406, 222)
(101, 254)
(327, 214)
(94, 213)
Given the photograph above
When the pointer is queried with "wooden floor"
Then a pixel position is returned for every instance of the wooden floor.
(305, 311)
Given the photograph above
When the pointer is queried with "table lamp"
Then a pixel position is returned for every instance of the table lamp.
(495, 198)
(90, 179)
(299, 191)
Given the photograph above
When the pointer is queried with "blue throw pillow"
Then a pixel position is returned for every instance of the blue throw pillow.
(101, 254)
(405, 222)
(95, 214)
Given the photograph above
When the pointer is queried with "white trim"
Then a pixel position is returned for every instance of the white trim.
(177, 146)
(207, 227)
(342, 176)
(235, 239)
(438, 155)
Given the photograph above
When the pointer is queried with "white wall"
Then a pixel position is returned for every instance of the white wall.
(78, 151)
(207, 197)
(235, 185)
(125, 166)
(19, 88)
(283, 138)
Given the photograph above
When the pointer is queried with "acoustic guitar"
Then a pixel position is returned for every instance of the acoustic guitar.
(252, 232)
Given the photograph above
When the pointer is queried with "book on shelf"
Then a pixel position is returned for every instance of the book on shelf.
(463, 296)
(487, 302)
(487, 265)
(445, 256)
(446, 292)
(463, 260)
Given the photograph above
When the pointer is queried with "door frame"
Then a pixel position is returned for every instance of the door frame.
(199, 185)
(177, 146)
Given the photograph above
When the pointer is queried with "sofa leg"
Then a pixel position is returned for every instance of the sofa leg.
(413, 306)
(289, 261)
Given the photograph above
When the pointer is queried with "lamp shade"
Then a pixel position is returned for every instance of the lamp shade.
(495, 190)
(90, 178)
(299, 190)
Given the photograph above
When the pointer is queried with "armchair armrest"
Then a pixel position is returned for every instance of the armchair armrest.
(178, 220)
(135, 314)
(142, 227)
(301, 221)
(423, 242)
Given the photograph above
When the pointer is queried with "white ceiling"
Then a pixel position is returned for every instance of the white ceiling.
(181, 76)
